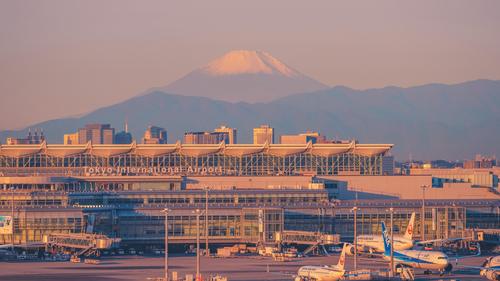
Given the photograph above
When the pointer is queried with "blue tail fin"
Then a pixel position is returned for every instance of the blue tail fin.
(386, 239)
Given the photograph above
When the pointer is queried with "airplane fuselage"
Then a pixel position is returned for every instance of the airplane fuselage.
(428, 260)
(376, 243)
(321, 273)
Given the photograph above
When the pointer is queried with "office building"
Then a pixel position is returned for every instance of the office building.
(303, 138)
(263, 134)
(71, 138)
(232, 132)
(206, 137)
(97, 134)
(155, 135)
(124, 137)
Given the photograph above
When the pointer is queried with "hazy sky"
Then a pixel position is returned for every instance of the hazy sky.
(60, 58)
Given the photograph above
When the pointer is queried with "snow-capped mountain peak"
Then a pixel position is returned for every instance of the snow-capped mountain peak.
(250, 76)
(247, 62)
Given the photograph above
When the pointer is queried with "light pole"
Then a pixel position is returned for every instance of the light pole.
(422, 218)
(198, 213)
(392, 240)
(355, 211)
(207, 250)
(166, 211)
(332, 221)
(498, 217)
(12, 219)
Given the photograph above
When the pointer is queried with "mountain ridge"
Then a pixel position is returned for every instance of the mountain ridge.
(428, 121)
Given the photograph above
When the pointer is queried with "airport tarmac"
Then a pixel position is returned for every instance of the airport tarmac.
(240, 268)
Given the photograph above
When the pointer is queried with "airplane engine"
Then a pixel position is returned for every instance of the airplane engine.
(350, 250)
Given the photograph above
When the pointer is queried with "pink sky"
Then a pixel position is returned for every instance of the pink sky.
(61, 58)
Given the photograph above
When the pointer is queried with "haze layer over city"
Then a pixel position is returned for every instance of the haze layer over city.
(249, 140)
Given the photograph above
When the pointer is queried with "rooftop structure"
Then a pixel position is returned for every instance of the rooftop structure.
(35, 138)
(208, 159)
(313, 137)
(476, 177)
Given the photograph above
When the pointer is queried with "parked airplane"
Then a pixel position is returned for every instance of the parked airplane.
(374, 243)
(490, 268)
(324, 273)
(427, 260)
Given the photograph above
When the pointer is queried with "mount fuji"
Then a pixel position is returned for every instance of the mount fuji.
(248, 76)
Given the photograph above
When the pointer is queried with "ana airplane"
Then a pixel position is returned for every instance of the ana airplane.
(324, 273)
(427, 260)
(374, 243)
(490, 268)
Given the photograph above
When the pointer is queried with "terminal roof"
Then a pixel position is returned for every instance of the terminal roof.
(193, 150)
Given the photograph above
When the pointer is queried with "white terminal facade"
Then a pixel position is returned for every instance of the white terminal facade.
(253, 191)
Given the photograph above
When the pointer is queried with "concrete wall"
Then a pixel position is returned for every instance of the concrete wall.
(480, 177)
(350, 187)
(404, 187)
(247, 182)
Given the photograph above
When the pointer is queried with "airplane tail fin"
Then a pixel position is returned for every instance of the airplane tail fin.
(341, 262)
(387, 242)
(409, 229)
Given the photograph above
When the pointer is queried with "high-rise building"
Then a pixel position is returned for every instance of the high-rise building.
(303, 138)
(71, 138)
(155, 135)
(35, 138)
(263, 134)
(97, 134)
(206, 137)
(124, 137)
(232, 132)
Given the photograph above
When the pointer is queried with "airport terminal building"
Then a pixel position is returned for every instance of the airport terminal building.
(251, 192)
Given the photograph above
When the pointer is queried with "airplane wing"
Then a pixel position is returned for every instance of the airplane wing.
(373, 260)
(453, 239)
(474, 267)
(281, 273)
(370, 255)
(23, 245)
(440, 240)
(5, 246)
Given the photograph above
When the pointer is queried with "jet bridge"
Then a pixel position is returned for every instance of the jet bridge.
(315, 240)
(81, 244)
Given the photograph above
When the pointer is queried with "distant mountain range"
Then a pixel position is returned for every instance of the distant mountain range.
(432, 121)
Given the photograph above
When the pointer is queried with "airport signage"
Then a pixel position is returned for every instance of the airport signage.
(152, 171)
(6, 225)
